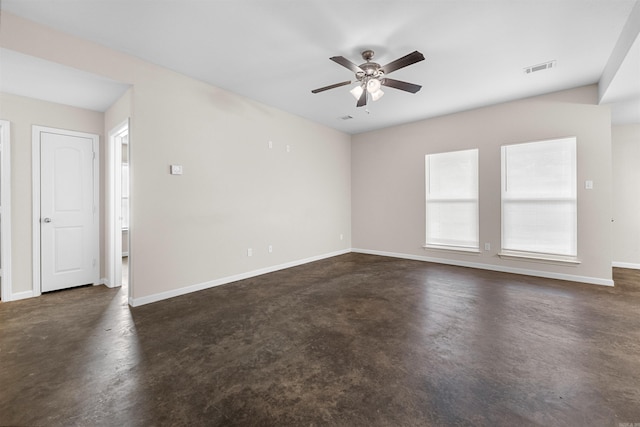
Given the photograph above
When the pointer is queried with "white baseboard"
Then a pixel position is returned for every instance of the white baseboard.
(21, 295)
(136, 302)
(625, 265)
(503, 269)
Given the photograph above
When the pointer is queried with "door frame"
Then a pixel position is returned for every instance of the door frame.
(6, 293)
(35, 192)
(114, 206)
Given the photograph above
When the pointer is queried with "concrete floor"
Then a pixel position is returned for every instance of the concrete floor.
(355, 340)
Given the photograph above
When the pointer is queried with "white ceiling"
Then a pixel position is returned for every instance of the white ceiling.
(37, 78)
(276, 51)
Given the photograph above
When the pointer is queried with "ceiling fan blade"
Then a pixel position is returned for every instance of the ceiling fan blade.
(346, 63)
(333, 86)
(362, 101)
(406, 60)
(397, 84)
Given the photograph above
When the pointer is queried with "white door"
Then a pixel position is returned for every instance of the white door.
(68, 210)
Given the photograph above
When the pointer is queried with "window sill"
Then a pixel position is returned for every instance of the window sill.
(553, 259)
(460, 249)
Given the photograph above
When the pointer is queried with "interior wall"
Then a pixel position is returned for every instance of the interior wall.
(23, 113)
(235, 193)
(388, 205)
(626, 195)
(118, 112)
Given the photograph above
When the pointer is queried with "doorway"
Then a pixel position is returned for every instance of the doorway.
(119, 208)
(65, 209)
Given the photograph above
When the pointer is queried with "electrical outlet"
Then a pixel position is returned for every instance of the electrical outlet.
(487, 246)
(249, 252)
(270, 248)
(341, 236)
(270, 144)
(176, 169)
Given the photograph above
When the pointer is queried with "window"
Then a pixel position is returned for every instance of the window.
(539, 209)
(452, 200)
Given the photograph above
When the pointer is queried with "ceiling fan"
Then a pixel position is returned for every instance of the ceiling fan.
(371, 76)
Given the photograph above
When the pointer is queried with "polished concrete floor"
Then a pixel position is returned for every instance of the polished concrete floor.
(355, 340)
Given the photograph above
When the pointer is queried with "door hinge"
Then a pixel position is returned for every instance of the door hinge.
(94, 155)
(94, 263)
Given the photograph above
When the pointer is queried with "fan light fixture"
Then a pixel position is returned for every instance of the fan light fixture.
(370, 76)
(356, 91)
(373, 87)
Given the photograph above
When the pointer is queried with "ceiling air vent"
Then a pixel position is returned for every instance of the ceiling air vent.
(347, 117)
(540, 67)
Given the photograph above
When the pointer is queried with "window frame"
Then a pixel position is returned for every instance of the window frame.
(509, 253)
(476, 200)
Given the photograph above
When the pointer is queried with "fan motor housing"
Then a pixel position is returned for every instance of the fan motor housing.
(370, 68)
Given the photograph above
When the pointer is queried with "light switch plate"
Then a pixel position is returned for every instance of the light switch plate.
(588, 185)
(176, 169)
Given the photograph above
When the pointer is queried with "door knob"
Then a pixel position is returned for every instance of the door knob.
(46, 220)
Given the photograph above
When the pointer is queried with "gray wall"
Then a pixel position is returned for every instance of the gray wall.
(388, 212)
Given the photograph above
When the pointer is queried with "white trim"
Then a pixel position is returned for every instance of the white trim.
(114, 191)
(35, 194)
(35, 211)
(5, 203)
(136, 302)
(22, 295)
(503, 269)
(529, 256)
(463, 249)
(631, 265)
